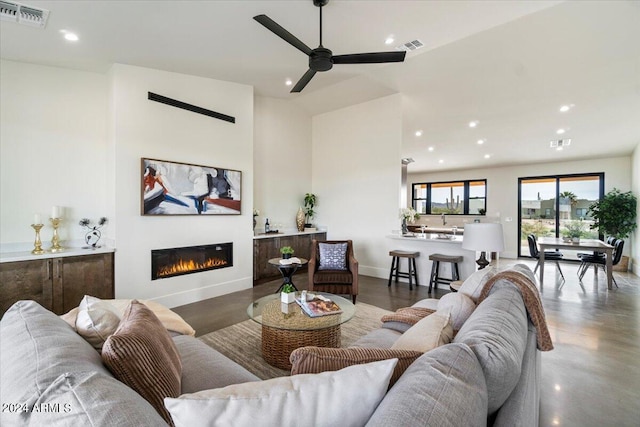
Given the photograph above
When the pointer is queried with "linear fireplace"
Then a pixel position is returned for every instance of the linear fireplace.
(191, 259)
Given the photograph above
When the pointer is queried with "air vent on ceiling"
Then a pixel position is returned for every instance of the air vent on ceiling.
(410, 46)
(560, 143)
(27, 15)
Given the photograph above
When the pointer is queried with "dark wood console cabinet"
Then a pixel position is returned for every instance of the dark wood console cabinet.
(58, 284)
(269, 247)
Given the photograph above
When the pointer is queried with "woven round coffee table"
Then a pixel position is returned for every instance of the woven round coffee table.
(286, 327)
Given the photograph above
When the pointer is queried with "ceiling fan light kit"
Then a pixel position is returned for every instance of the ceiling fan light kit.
(321, 58)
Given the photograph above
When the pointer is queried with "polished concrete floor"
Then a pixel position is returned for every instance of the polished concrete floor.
(591, 378)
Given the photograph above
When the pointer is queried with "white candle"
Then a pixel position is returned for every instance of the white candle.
(55, 212)
(36, 219)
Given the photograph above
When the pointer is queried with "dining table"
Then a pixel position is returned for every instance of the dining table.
(582, 244)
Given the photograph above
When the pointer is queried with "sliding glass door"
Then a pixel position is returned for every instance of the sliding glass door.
(550, 204)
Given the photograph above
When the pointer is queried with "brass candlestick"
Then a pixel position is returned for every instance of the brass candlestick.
(55, 240)
(37, 245)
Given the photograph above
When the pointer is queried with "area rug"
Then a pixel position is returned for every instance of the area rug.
(242, 342)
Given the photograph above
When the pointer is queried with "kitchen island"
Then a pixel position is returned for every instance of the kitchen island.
(432, 243)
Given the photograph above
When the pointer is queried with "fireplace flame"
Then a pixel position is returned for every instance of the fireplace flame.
(182, 266)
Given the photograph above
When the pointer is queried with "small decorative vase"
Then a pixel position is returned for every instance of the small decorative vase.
(254, 222)
(286, 256)
(300, 219)
(287, 298)
(576, 240)
(405, 229)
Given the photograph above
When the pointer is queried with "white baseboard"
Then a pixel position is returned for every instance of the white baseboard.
(187, 297)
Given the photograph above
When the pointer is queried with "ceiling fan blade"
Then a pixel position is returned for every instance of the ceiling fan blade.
(285, 35)
(304, 80)
(369, 58)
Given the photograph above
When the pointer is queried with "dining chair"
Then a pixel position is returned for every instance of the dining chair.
(548, 255)
(588, 260)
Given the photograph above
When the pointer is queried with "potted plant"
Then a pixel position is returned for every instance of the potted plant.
(286, 252)
(288, 294)
(407, 215)
(309, 204)
(615, 215)
(574, 230)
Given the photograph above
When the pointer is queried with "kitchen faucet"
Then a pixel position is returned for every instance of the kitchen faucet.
(444, 220)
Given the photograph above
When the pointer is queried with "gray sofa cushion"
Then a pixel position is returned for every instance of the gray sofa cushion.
(378, 338)
(92, 399)
(444, 387)
(204, 368)
(497, 333)
(38, 347)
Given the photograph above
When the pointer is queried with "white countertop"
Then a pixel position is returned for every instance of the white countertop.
(72, 251)
(427, 237)
(286, 233)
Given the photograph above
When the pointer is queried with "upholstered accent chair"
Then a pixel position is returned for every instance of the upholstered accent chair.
(333, 268)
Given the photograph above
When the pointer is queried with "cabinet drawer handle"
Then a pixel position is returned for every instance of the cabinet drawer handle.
(49, 269)
(59, 262)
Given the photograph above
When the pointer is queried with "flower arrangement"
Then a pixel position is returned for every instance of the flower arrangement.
(92, 237)
(409, 214)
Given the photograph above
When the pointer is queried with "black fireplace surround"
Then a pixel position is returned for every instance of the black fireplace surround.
(191, 259)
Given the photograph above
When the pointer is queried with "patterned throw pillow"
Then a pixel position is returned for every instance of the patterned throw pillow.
(142, 355)
(333, 256)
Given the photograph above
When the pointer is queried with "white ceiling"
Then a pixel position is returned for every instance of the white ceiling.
(508, 64)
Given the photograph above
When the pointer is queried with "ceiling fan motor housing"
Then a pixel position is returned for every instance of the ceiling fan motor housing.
(320, 59)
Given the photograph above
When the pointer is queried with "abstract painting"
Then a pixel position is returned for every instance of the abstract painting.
(172, 188)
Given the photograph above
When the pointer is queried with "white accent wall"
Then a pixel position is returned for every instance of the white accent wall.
(143, 128)
(502, 187)
(356, 177)
(53, 143)
(281, 161)
(635, 187)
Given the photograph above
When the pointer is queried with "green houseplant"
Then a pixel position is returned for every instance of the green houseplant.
(288, 294)
(309, 203)
(286, 252)
(614, 214)
(574, 230)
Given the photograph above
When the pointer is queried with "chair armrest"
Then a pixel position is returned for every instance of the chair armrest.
(353, 267)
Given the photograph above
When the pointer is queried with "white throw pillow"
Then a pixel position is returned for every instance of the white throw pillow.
(472, 287)
(459, 305)
(329, 399)
(431, 332)
(430, 303)
(96, 320)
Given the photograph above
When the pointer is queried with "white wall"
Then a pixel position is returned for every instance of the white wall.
(502, 186)
(143, 128)
(635, 187)
(281, 160)
(53, 142)
(356, 177)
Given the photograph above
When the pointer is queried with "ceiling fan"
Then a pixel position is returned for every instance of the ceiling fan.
(321, 58)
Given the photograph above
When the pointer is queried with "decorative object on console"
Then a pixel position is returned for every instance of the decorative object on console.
(300, 219)
(56, 219)
(483, 237)
(37, 244)
(408, 215)
(93, 234)
(309, 203)
(173, 188)
(256, 213)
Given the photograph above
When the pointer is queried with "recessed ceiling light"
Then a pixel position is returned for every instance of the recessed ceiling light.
(430, 148)
(288, 82)
(473, 123)
(486, 156)
(68, 35)
(440, 161)
(389, 40)
(566, 108)
(480, 141)
(418, 133)
(560, 131)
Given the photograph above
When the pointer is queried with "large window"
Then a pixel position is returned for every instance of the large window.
(549, 204)
(451, 198)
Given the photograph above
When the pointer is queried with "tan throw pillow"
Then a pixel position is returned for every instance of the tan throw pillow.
(313, 360)
(346, 397)
(142, 355)
(96, 320)
(427, 334)
(473, 285)
(459, 305)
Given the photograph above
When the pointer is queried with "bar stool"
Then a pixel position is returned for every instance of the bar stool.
(436, 259)
(395, 266)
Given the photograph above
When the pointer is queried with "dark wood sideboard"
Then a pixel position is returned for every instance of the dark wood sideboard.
(58, 284)
(269, 247)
